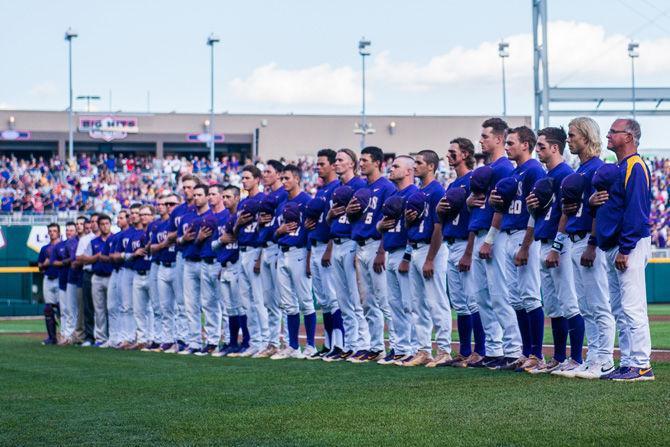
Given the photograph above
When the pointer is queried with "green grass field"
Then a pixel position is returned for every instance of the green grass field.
(87, 396)
(80, 396)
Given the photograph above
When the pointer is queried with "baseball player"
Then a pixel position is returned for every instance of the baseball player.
(321, 246)
(588, 261)
(166, 254)
(428, 268)
(394, 237)
(85, 260)
(126, 276)
(459, 242)
(74, 305)
(267, 225)
(520, 251)
(486, 281)
(622, 231)
(210, 270)
(251, 287)
(191, 239)
(188, 182)
(370, 254)
(62, 261)
(114, 288)
(152, 238)
(227, 254)
(139, 265)
(293, 267)
(557, 280)
(102, 270)
(45, 261)
(356, 335)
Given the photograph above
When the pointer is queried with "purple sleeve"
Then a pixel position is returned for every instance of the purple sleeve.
(636, 209)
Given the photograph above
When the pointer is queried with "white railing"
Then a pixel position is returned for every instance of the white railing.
(60, 217)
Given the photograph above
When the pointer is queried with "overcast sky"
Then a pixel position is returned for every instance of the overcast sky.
(428, 57)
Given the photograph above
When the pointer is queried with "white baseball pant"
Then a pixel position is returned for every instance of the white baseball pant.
(271, 296)
(210, 297)
(166, 294)
(400, 302)
(558, 287)
(99, 286)
(251, 289)
(142, 311)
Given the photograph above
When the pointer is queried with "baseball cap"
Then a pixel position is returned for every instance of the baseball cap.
(315, 208)
(210, 221)
(393, 207)
(291, 212)
(230, 224)
(268, 205)
(544, 192)
(456, 198)
(249, 206)
(342, 195)
(480, 182)
(572, 188)
(362, 196)
(605, 176)
(417, 202)
(506, 189)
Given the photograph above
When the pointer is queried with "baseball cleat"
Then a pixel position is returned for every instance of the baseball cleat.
(595, 370)
(530, 364)
(336, 355)
(456, 361)
(374, 356)
(634, 374)
(48, 341)
(616, 372)
(86, 344)
(546, 368)
(189, 351)
(288, 353)
(421, 358)
(358, 356)
(442, 359)
(241, 349)
(208, 349)
(310, 352)
(101, 344)
(402, 360)
(269, 351)
(567, 369)
(485, 361)
(390, 359)
(319, 354)
(221, 351)
(511, 364)
(249, 352)
(472, 359)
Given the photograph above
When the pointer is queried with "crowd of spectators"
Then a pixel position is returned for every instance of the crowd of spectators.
(109, 183)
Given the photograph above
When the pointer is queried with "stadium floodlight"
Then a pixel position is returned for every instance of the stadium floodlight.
(88, 99)
(364, 128)
(211, 40)
(633, 53)
(69, 35)
(503, 53)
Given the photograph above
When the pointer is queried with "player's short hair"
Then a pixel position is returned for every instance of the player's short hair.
(97, 215)
(84, 218)
(375, 153)
(498, 126)
(430, 157)
(590, 130)
(351, 155)
(276, 165)
(202, 186)
(293, 169)
(234, 189)
(526, 135)
(466, 145)
(54, 225)
(70, 223)
(191, 177)
(149, 207)
(253, 170)
(218, 186)
(554, 135)
(633, 127)
(328, 153)
(124, 212)
(135, 206)
(102, 217)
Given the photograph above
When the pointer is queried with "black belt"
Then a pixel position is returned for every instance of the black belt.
(245, 248)
(363, 242)
(193, 259)
(156, 261)
(208, 260)
(226, 264)
(577, 236)
(285, 248)
(511, 231)
(415, 245)
(52, 277)
(339, 240)
(142, 272)
(166, 263)
(545, 240)
(314, 242)
(103, 275)
(451, 240)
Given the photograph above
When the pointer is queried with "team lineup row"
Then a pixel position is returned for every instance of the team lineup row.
(505, 245)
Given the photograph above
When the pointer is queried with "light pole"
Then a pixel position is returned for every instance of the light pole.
(211, 40)
(69, 35)
(363, 50)
(633, 53)
(503, 52)
(88, 99)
